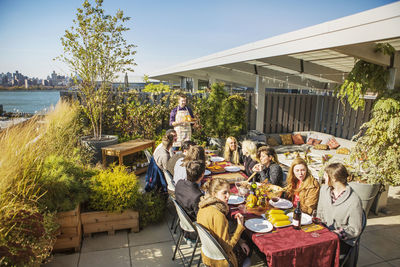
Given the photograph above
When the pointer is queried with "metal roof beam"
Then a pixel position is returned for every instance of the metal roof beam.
(365, 52)
(308, 67)
(279, 77)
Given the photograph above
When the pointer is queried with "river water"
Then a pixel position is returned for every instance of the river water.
(28, 101)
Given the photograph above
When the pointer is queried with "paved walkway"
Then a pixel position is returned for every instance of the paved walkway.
(154, 245)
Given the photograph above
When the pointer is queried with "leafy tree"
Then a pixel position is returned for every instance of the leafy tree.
(96, 51)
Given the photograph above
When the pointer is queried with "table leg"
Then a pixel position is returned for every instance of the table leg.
(120, 159)
(103, 156)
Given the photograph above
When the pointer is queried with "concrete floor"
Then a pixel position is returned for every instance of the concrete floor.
(154, 245)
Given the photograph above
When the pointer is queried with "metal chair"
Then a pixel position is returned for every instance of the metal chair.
(168, 178)
(354, 250)
(210, 246)
(147, 154)
(186, 225)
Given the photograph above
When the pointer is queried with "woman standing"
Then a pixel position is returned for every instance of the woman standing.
(212, 215)
(339, 207)
(269, 169)
(231, 151)
(249, 157)
(302, 186)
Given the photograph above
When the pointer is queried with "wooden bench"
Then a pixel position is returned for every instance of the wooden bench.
(126, 148)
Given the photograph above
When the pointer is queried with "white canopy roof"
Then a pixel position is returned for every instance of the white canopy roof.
(314, 57)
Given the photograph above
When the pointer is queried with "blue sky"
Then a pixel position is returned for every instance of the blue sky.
(166, 32)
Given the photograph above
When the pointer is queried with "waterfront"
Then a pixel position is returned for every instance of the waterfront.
(28, 101)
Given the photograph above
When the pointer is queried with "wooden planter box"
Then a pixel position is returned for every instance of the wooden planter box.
(103, 221)
(70, 230)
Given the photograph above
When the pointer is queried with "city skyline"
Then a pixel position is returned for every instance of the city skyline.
(166, 32)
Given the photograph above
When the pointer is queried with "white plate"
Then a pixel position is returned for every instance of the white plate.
(305, 218)
(232, 168)
(281, 204)
(234, 200)
(207, 172)
(259, 225)
(217, 159)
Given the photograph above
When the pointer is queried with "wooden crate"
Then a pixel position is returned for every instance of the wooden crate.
(103, 221)
(70, 236)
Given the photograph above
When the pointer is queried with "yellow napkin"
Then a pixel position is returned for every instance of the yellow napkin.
(311, 228)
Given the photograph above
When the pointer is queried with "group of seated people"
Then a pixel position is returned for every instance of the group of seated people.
(335, 203)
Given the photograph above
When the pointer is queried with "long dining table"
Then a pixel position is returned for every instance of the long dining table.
(311, 246)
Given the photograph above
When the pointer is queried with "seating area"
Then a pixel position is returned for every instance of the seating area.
(154, 245)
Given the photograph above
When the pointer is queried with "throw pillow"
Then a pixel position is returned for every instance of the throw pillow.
(343, 150)
(321, 147)
(297, 139)
(272, 141)
(312, 141)
(286, 139)
(333, 144)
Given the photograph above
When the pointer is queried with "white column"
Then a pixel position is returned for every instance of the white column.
(260, 103)
(195, 85)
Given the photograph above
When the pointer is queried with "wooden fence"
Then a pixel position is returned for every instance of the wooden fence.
(286, 113)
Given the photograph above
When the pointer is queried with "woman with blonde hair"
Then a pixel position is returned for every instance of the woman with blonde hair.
(249, 158)
(231, 151)
(268, 169)
(302, 187)
(212, 216)
(194, 153)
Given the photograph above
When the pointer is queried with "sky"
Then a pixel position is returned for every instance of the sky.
(166, 32)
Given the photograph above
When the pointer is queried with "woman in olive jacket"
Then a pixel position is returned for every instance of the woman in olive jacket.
(302, 186)
(212, 216)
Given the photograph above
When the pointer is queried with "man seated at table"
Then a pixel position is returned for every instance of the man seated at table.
(184, 149)
(163, 151)
(195, 153)
(188, 193)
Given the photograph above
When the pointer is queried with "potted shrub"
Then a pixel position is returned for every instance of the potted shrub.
(61, 185)
(96, 51)
(113, 193)
(381, 138)
(376, 150)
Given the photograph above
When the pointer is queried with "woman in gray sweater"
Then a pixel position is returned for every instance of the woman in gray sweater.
(339, 207)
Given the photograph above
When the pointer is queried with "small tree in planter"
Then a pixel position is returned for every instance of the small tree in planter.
(96, 51)
(378, 140)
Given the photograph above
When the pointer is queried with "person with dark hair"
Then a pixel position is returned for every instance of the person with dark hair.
(172, 161)
(163, 151)
(187, 192)
(195, 153)
(269, 169)
(339, 207)
(181, 118)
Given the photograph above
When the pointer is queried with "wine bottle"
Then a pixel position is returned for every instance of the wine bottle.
(297, 217)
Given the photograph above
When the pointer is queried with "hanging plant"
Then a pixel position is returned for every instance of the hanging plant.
(365, 77)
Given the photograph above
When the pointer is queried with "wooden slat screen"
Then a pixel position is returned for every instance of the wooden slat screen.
(285, 113)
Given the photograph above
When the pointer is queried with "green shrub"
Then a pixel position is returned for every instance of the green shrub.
(113, 190)
(62, 184)
(151, 207)
(26, 235)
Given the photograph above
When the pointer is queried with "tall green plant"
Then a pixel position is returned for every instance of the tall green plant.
(379, 142)
(95, 50)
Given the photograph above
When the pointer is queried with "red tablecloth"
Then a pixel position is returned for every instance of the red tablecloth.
(290, 247)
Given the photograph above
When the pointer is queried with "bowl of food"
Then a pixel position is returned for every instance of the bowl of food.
(272, 191)
(243, 188)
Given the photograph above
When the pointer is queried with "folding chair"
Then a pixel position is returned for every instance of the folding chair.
(354, 250)
(186, 226)
(210, 246)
